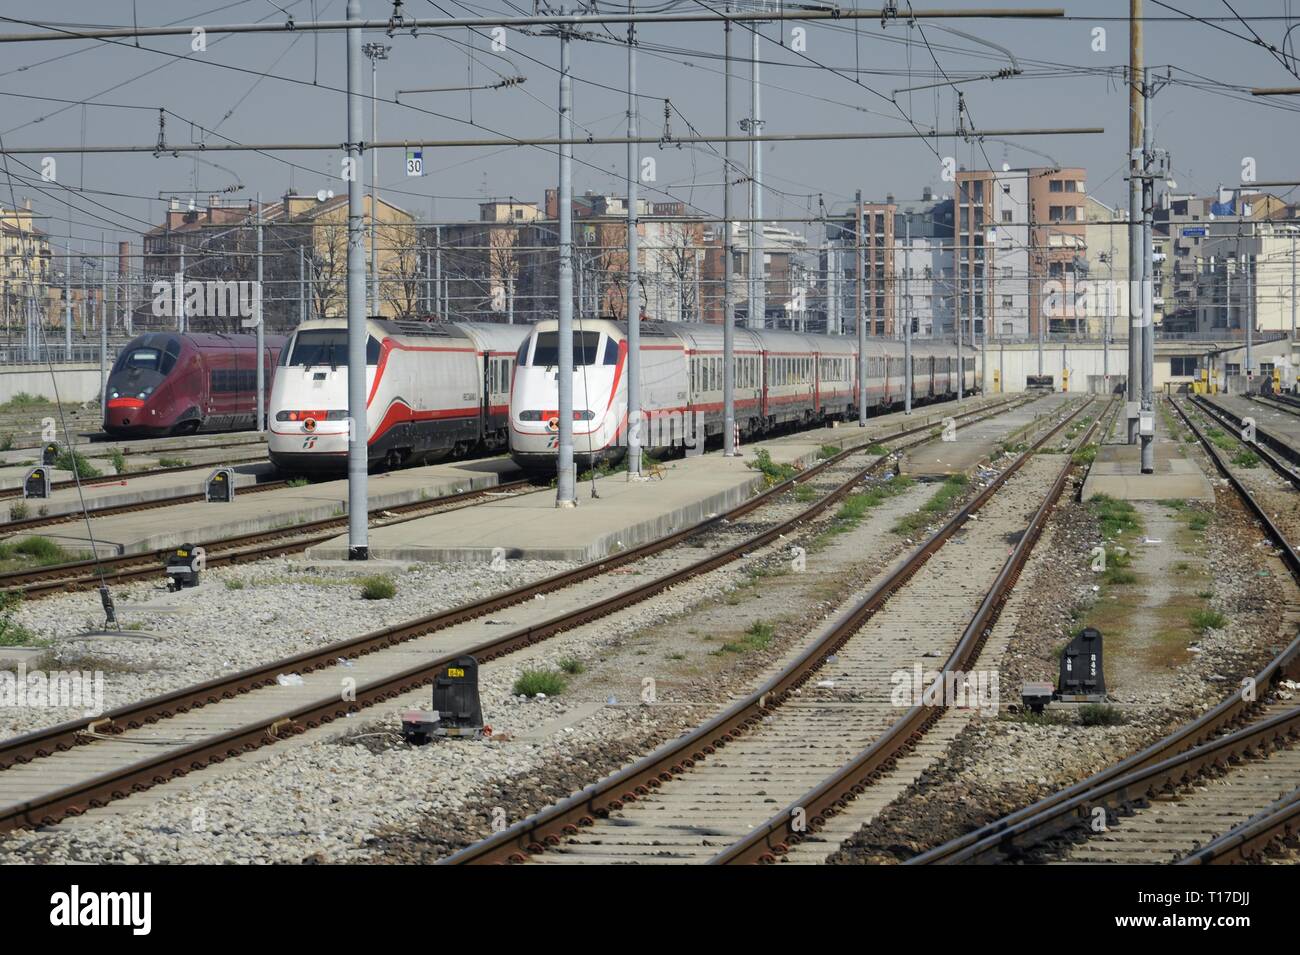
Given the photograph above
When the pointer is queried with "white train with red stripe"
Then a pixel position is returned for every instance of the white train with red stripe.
(782, 379)
(434, 390)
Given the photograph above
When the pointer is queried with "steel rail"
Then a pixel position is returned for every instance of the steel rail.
(1137, 785)
(1016, 831)
(60, 578)
(1275, 446)
(1249, 840)
(1290, 556)
(117, 783)
(766, 843)
(134, 715)
(550, 826)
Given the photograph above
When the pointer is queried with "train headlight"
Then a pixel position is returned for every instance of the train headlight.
(114, 394)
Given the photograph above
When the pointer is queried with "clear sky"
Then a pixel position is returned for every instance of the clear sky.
(285, 88)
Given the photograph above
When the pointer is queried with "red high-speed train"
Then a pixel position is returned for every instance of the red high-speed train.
(166, 383)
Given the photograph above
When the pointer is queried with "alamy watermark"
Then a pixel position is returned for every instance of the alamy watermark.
(951, 688)
(82, 689)
(207, 299)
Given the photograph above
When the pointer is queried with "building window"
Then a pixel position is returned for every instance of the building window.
(1056, 185)
(1182, 366)
(1006, 215)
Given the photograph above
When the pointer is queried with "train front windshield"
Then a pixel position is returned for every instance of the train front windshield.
(585, 350)
(325, 346)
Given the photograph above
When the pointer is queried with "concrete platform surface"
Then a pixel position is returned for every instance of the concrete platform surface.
(530, 527)
(1117, 473)
(135, 490)
(977, 443)
(202, 523)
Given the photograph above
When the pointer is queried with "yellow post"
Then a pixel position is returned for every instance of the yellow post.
(1065, 379)
(997, 382)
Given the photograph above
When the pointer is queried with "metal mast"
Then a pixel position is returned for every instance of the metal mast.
(633, 302)
(728, 289)
(375, 52)
(565, 484)
(358, 431)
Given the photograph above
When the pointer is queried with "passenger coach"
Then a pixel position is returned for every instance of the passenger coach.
(433, 390)
(782, 379)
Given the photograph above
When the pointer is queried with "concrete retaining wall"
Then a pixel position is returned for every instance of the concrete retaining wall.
(76, 382)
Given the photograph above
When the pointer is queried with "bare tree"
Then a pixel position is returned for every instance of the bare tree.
(400, 274)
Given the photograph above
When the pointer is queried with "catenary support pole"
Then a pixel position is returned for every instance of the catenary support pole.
(757, 311)
(633, 298)
(358, 431)
(1135, 276)
(261, 327)
(103, 324)
(728, 283)
(858, 306)
(907, 316)
(1148, 271)
(565, 484)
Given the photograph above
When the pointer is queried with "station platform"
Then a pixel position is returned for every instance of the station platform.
(979, 442)
(202, 522)
(1117, 471)
(136, 490)
(1277, 423)
(626, 513)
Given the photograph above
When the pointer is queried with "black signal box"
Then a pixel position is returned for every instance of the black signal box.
(183, 566)
(36, 482)
(50, 453)
(455, 697)
(1083, 678)
(221, 486)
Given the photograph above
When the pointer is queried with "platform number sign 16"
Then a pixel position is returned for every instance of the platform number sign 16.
(415, 162)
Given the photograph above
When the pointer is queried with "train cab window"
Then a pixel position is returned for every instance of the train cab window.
(145, 359)
(328, 346)
(522, 357)
(611, 352)
(547, 352)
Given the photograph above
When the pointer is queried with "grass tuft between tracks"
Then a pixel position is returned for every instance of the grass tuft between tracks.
(856, 506)
(69, 460)
(12, 633)
(1116, 517)
(378, 588)
(757, 637)
(773, 473)
(940, 501)
(533, 682)
(38, 550)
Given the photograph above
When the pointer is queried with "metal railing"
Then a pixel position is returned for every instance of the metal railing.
(55, 353)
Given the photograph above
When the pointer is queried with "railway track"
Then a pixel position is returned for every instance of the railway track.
(30, 523)
(1280, 455)
(17, 492)
(1282, 402)
(240, 549)
(808, 747)
(1201, 783)
(66, 769)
